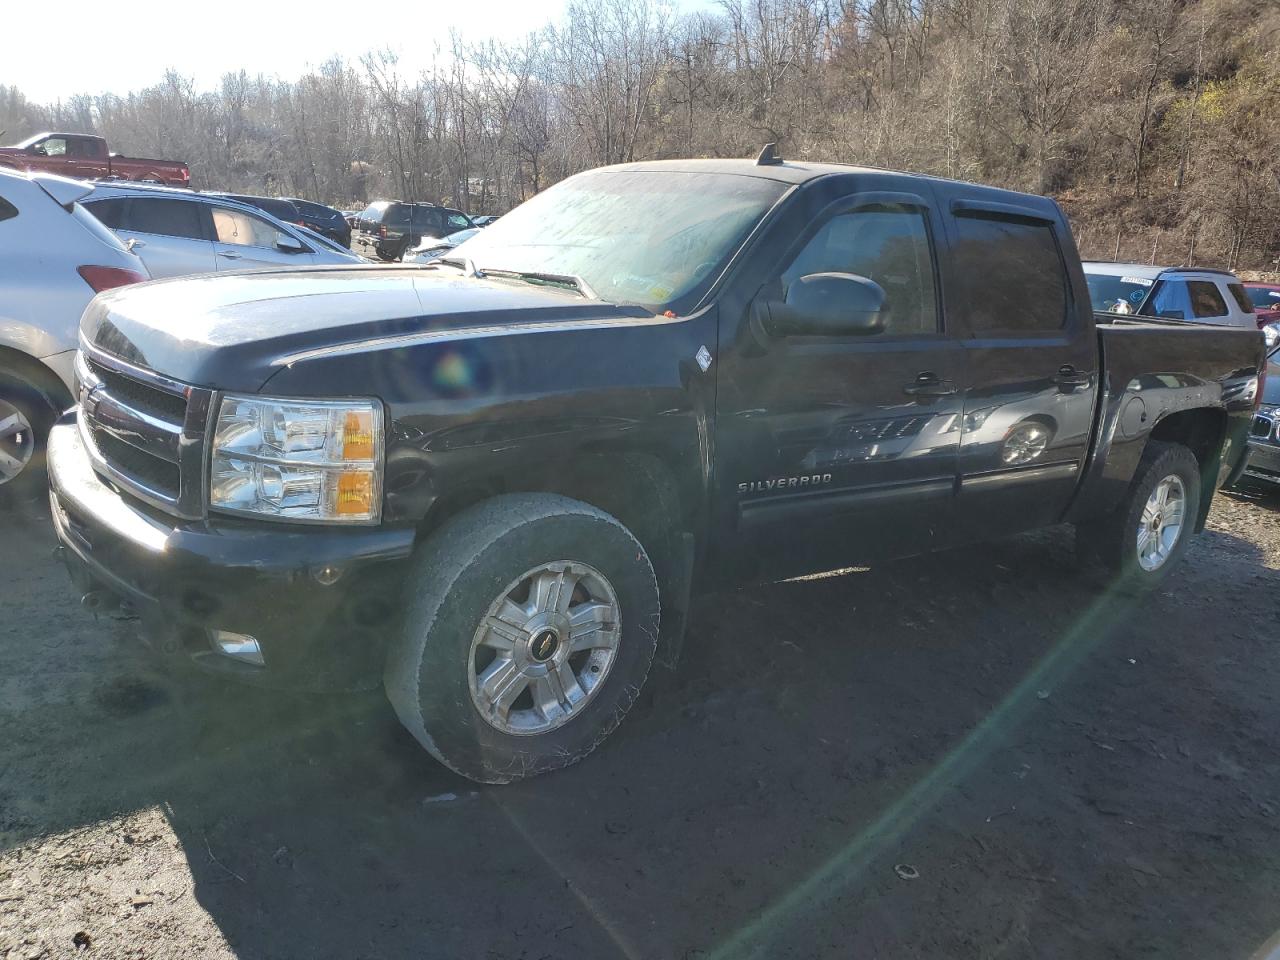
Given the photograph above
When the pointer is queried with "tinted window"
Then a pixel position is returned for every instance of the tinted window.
(7, 210)
(78, 147)
(243, 229)
(1013, 275)
(887, 244)
(110, 212)
(1241, 298)
(316, 211)
(1206, 301)
(426, 219)
(1169, 301)
(397, 213)
(169, 218)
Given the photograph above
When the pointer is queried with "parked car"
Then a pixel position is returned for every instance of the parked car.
(53, 258)
(81, 155)
(1264, 437)
(483, 221)
(492, 484)
(428, 250)
(1175, 293)
(324, 220)
(177, 232)
(286, 211)
(386, 229)
(1265, 298)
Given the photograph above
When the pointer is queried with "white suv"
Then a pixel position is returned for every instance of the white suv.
(178, 232)
(54, 257)
(1175, 293)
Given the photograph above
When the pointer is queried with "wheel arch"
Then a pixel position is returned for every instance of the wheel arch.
(639, 489)
(37, 373)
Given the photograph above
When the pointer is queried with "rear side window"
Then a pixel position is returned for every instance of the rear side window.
(1206, 301)
(7, 210)
(426, 218)
(110, 212)
(1012, 275)
(887, 244)
(1241, 297)
(168, 218)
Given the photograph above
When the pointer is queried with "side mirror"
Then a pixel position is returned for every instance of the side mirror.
(288, 244)
(1271, 335)
(37, 149)
(829, 305)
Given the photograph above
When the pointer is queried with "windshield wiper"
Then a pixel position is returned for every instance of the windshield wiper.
(469, 269)
(550, 279)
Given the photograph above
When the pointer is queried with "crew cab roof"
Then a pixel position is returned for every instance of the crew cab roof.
(799, 172)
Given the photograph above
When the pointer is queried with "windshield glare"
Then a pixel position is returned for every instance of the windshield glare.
(1112, 294)
(1264, 298)
(637, 237)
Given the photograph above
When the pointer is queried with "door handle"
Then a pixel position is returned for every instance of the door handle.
(229, 256)
(1069, 376)
(927, 384)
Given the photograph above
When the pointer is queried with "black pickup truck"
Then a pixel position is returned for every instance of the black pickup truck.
(493, 483)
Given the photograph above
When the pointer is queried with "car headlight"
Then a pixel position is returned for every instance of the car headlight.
(305, 460)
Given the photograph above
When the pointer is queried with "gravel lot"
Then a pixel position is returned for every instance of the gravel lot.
(979, 754)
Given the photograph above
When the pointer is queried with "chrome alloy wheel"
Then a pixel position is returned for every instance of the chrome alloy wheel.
(1160, 524)
(544, 648)
(17, 442)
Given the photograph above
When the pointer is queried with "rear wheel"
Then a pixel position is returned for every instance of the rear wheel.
(1150, 529)
(532, 627)
(26, 414)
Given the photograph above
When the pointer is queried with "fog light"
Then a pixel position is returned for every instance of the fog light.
(237, 646)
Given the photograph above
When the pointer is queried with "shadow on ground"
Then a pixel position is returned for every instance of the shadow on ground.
(1062, 772)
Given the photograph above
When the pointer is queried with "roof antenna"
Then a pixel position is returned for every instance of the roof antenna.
(769, 156)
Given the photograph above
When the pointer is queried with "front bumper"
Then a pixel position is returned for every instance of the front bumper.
(1264, 461)
(187, 578)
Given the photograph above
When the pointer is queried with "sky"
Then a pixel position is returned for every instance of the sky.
(79, 46)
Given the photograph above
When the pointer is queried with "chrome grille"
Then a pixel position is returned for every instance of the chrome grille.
(1262, 426)
(145, 432)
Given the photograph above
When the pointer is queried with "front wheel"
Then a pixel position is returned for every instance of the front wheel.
(1150, 529)
(26, 414)
(532, 626)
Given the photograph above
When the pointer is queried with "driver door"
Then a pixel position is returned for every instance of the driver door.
(835, 449)
(245, 241)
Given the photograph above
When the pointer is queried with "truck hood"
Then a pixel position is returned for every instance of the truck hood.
(233, 331)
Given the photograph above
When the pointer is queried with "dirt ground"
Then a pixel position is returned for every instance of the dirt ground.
(981, 754)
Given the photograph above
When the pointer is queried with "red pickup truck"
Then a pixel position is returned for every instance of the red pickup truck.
(86, 157)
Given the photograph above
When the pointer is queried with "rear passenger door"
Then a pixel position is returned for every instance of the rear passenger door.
(170, 234)
(1032, 363)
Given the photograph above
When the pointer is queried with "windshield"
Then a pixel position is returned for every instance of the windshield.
(637, 237)
(1264, 298)
(1111, 294)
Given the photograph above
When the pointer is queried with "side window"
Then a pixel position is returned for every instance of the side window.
(1169, 301)
(1206, 301)
(457, 221)
(53, 147)
(887, 244)
(79, 147)
(243, 229)
(1012, 274)
(1241, 297)
(109, 212)
(426, 220)
(168, 218)
(7, 210)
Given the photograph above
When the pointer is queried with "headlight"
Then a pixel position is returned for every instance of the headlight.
(313, 460)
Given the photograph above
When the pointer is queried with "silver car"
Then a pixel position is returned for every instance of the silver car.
(53, 258)
(1201, 294)
(177, 232)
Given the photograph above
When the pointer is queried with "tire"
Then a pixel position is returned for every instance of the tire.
(1114, 540)
(437, 674)
(26, 414)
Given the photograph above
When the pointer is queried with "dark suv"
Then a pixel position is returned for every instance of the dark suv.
(387, 228)
(325, 221)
